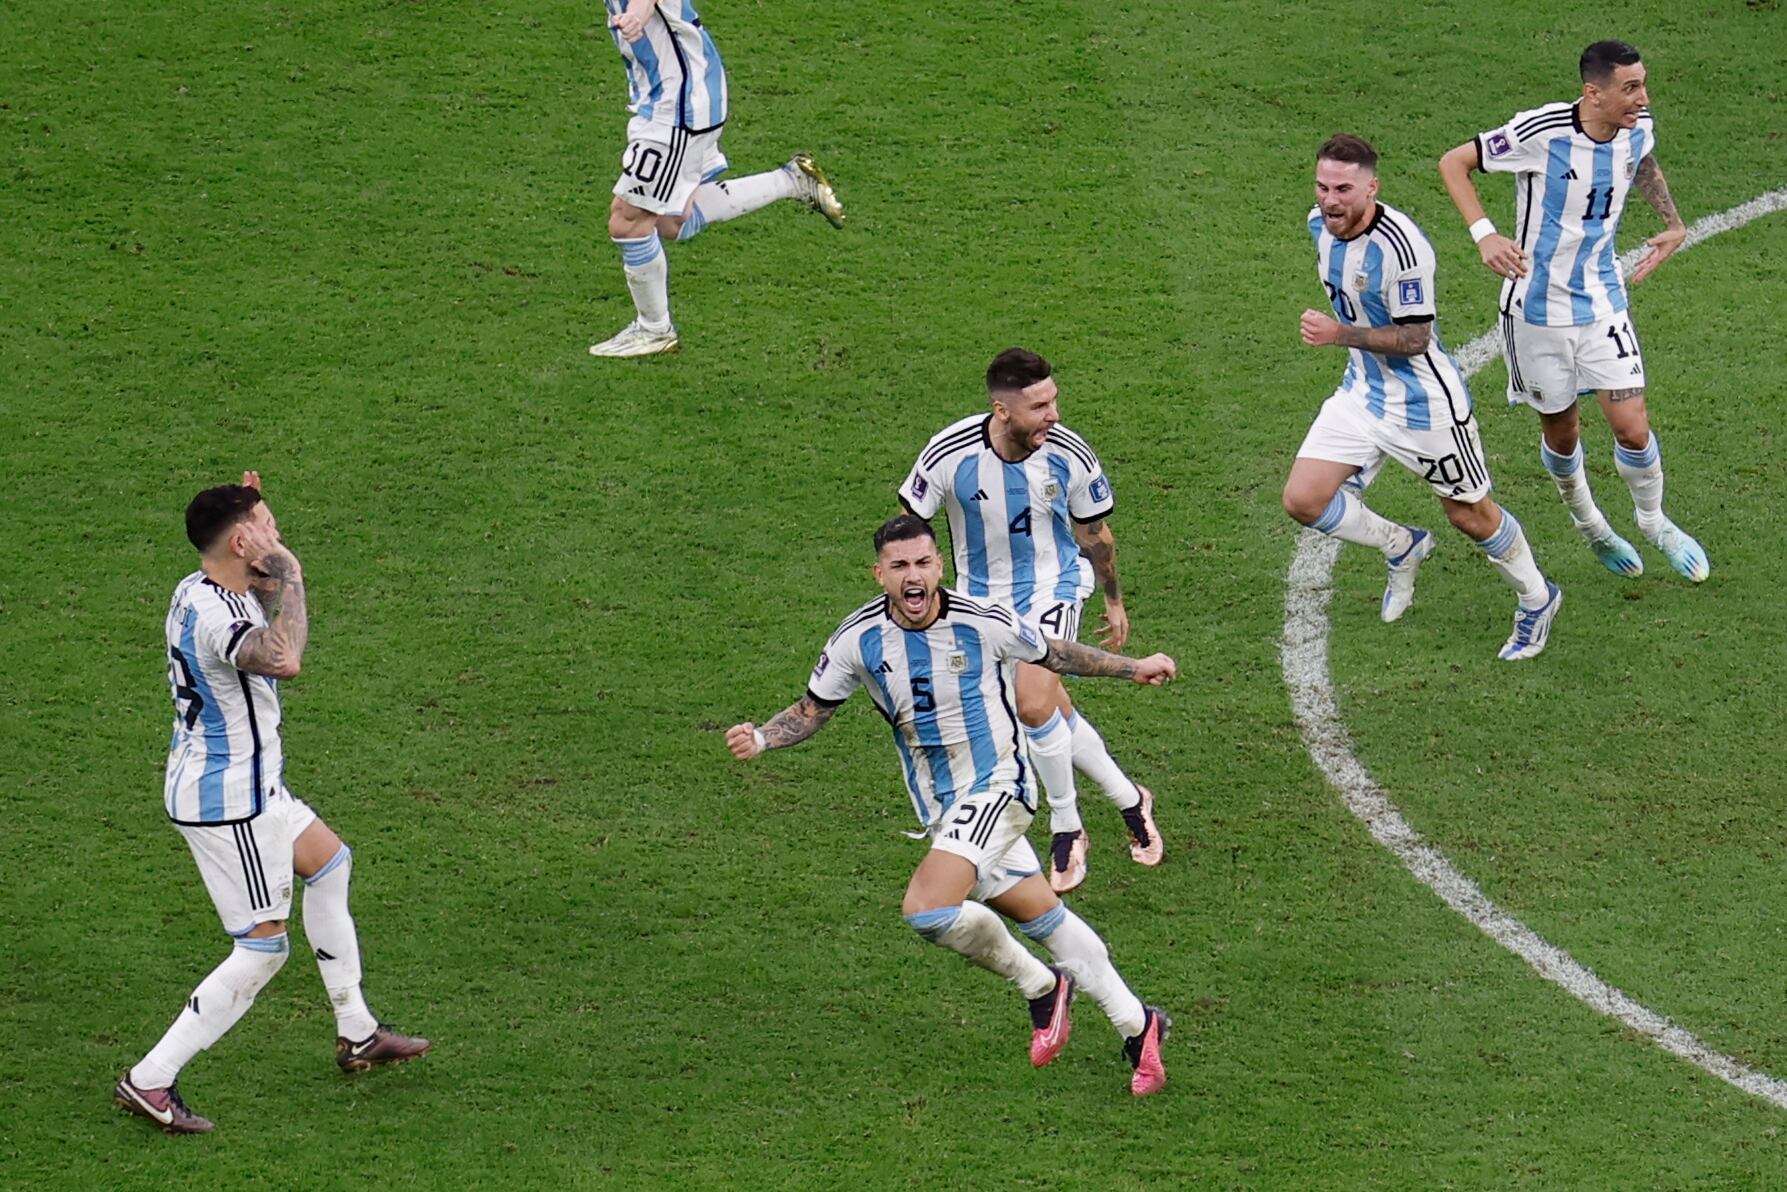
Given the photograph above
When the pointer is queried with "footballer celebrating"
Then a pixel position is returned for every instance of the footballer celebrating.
(939, 665)
(1402, 396)
(1028, 503)
(235, 629)
(1566, 319)
(670, 174)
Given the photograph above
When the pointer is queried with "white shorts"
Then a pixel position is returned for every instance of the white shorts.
(1449, 457)
(1060, 620)
(247, 866)
(988, 829)
(662, 166)
(1549, 367)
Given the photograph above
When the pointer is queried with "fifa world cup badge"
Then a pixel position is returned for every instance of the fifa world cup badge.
(958, 663)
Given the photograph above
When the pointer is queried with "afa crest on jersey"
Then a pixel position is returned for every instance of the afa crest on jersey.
(958, 663)
(1051, 489)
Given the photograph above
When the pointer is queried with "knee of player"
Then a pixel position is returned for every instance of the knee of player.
(1476, 519)
(267, 954)
(1039, 708)
(626, 222)
(1300, 503)
(931, 922)
(342, 862)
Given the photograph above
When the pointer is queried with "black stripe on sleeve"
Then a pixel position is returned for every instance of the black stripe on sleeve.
(821, 700)
(948, 444)
(1090, 518)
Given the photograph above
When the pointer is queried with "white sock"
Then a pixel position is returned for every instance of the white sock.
(1571, 479)
(329, 929)
(717, 202)
(1051, 749)
(977, 933)
(221, 999)
(1643, 473)
(1508, 551)
(648, 277)
(1351, 520)
(1078, 949)
(1091, 758)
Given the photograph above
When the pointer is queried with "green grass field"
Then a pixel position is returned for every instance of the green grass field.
(362, 248)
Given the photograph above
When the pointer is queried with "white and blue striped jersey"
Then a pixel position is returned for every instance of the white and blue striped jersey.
(949, 692)
(1569, 192)
(225, 757)
(675, 78)
(1385, 275)
(1011, 524)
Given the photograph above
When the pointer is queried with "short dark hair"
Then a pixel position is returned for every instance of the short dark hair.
(212, 513)
(1600, 60)
(1344, 146)
(1016, 368)
(901, 528)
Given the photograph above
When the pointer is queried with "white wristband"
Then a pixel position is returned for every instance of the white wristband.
(757, 736)
(1481, 229)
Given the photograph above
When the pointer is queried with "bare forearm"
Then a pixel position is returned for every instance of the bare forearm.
(1100, 549)
(1455, 172)
(278, 649)
(1650, 183)
(1398, 339)
(795, 723)
(1072, 658)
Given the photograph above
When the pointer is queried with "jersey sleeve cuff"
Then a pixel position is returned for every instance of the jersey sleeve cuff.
(1405, 320)
(821, 700)
(1478, 142)
(1094, 517)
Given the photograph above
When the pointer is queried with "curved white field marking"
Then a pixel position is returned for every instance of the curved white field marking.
(1305, 657)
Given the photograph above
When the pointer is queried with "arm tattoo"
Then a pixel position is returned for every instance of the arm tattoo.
(1100, 549)
(277, 649)
(795, 723)
(1651, 184)
(1398, 339)
(1071, 658)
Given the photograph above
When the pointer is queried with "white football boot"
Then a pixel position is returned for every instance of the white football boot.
(636, 339)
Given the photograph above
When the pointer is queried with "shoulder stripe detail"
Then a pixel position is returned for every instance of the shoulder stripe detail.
(1399, 240)
(1080, 449)
(949, 444)
(1549, 112)
(872, 609)
(1527, 132)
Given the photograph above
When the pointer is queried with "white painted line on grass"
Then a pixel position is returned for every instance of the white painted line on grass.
(1304, 653)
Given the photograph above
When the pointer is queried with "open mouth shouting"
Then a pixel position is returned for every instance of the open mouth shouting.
(915, 599)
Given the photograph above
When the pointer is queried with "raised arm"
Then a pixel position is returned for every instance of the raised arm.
(1072, 658)
(792, 725)
(1650, 183)
(277, 649)
(1500, 255)
(1100, 548)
